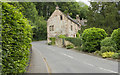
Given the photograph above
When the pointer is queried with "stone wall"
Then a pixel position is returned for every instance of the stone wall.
(61, 42)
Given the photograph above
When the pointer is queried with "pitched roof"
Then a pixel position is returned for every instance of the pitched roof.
(72, 20)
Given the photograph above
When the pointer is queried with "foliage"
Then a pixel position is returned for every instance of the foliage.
(62, 36)
(70, 46)
(39, 25)
(75, 41)
(16, 39)
(79, 48)
(52, 40)
(104, 15)
(116, 37)
(107, 49)
(91, 39)
(116, 56)
(82, 29)
(46, 9)
(118, 51)
(108, 42)
(0, 35)
(77, 35)
(97, 52)
(107, 54)
(50, 43)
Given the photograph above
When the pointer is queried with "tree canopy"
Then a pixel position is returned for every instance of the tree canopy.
(104, 15)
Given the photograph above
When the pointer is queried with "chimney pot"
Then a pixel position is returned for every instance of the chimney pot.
(57, 8)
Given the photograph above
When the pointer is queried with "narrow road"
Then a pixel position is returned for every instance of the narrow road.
(61, 60)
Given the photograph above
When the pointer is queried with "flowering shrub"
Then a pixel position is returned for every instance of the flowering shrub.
(107, 54)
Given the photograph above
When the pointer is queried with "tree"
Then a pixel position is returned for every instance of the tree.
(73, 8)
(103, 15)
(38, 23)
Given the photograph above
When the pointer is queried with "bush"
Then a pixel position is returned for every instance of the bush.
(50, 43)
(62, 36)
(70, 46)
(116, 37)
(116, 56)
(91, 39)
(107, 49)
(108, 42)
(79, 48)
(118, 51)
(97, 53)
(107, 54)
(77, 35)
(52, 40)
(75, 41)
(16, 39)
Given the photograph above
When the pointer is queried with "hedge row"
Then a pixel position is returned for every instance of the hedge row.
(75, 41)
(16, 39)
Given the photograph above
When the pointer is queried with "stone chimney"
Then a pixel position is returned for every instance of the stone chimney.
(78, 18)
(57, 8)
(67, 14)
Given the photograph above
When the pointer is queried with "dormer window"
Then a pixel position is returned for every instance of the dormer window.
(61, 17)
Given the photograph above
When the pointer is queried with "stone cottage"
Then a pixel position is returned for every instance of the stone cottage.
(61, 24)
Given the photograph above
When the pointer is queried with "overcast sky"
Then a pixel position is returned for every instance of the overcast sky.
(85, 1)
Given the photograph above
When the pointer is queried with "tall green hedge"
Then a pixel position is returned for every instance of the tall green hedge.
(16, 39)
(91, 39)
(75, 41)
(116, 37)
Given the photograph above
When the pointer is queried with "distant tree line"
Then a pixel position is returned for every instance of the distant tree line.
(104, 15)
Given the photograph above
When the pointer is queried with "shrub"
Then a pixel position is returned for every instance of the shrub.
(116, 56)
(79, 48)
(108, 42)
(62, 36)
(16, 39)
(118, 51)
(50, 43)
(52, 40)
(107, 49)
(70, 46)
(77, 35)
(97, 53)
(75, 41)
(116, 37)
(91, 39)
(107, 54)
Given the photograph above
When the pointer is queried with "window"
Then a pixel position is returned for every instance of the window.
(61, 17)
(71, 27)
(51, 28)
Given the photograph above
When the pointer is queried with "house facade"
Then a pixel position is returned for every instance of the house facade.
(61, 24)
